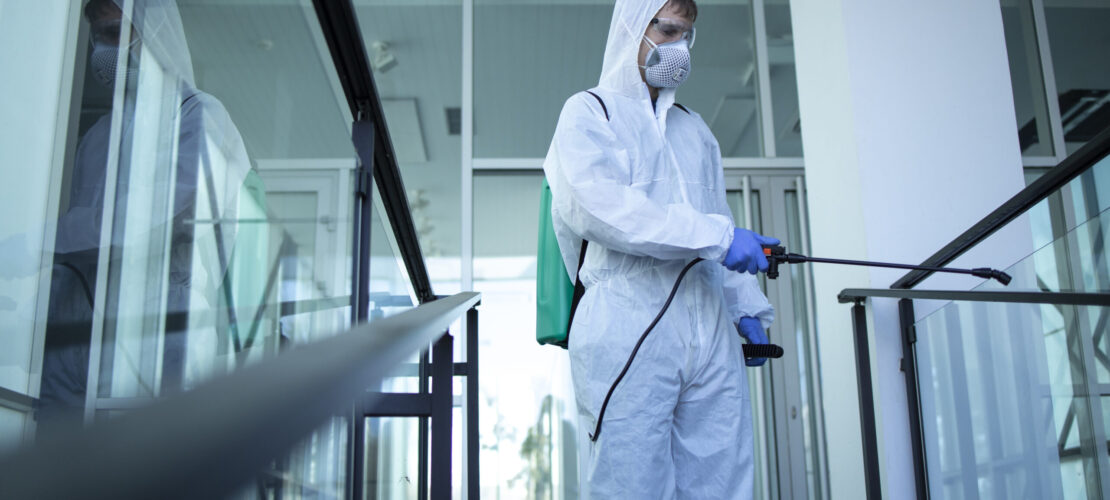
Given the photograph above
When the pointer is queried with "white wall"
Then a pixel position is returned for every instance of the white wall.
(910, 138)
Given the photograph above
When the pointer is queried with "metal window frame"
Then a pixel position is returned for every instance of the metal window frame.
(1052, 98)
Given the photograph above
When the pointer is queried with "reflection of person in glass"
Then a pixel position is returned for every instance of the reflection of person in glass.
(201, 166)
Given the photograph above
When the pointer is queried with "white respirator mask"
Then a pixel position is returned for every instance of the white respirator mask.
(667, 65)
(103, 63)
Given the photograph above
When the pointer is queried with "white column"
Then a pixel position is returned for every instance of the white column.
(910, 138)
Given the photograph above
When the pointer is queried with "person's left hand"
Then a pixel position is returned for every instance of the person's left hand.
(752, 329)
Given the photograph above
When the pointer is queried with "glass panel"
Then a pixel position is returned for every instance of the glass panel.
(1075, 262)
(415, 51)
(1006, 401)
(526, 64)
(808, 378)
(1027, 78)
(759, 384)
(392, 465)
(316, 468)
(1068, 257)
(736, 203)
(11, 429)
(1075, 33)
(35, 34)
(1090, 193)
(391, 292)
(203, 220)
(722, 84)
(1013, 393)
(784, 78)
(528, 416)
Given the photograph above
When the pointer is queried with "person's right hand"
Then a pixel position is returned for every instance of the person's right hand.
(746, 252)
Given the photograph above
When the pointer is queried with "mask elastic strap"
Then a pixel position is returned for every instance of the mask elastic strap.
(653, 45)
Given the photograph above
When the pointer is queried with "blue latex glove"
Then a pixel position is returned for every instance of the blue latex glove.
(746, 252)
(752, 329)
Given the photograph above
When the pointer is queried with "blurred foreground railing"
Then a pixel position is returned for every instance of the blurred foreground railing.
(211, 441)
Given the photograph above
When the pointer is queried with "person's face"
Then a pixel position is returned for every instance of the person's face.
(663, 32)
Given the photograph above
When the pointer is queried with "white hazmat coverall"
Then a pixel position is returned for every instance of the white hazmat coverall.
(646, 189)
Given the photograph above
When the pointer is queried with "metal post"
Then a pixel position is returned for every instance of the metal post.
(356, 429)
(913, 396)
(422, 431)
(866, 403)
(362, 135)
(442, 408)
(473, 480)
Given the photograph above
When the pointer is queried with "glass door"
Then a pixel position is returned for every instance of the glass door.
(786, 395)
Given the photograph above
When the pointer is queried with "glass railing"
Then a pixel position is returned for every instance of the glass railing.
(1012, 394)
(1008, 387)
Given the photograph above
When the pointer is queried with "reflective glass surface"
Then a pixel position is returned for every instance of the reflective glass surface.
(530, 57)
(1027, 78)
(784, 79)
(1069, 257)
(759, 383)
(391, 292)
(191, 210)
(1013, 394)
(392, 447)
(1077, 37)
(801, 289)
(11, 429)
(722, 84)
(315, 468)
(1006, 393)
(415, 51)
(527, 416)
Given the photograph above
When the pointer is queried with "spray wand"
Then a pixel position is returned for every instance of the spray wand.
(777, 255)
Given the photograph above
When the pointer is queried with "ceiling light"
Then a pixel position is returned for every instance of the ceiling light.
(381, 57)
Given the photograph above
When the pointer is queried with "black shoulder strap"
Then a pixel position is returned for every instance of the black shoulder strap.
(679, 106)
(579, 289)
(603, 107)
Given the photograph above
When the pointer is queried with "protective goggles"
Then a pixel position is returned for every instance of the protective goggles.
(108, 33)
(667, 30)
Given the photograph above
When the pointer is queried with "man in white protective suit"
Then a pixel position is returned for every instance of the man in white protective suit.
(639, 177)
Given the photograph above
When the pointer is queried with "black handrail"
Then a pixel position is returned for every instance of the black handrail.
(339, 24)
(207, 442)
(1070, 298)
(1074, 165)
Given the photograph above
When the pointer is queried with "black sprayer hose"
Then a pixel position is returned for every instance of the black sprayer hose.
(666, 305)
